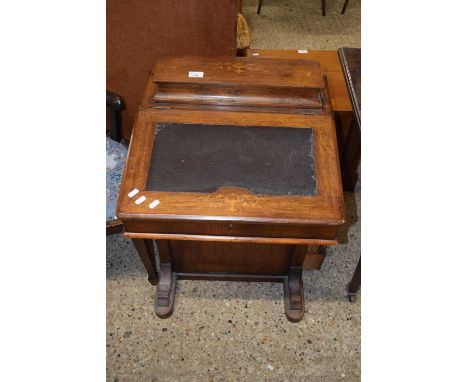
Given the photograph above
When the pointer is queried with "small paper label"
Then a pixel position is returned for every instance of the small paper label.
(132, 193)
(195, 74)
(255, 54)
(154, 203)
(302, 51)
(140, 200)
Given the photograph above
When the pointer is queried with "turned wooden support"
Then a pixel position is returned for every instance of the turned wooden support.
(145, 250)
(314, 257)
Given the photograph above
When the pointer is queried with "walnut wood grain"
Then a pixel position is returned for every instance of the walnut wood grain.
(330, 64)
(246, 258)
(241, 71)
(238, 83)
(223, 95)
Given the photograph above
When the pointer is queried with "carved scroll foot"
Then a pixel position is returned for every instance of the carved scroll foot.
(165, 295)
(294, 295)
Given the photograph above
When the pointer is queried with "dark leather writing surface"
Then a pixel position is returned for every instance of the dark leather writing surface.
(204, 158)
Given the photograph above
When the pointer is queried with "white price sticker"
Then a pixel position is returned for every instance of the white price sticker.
(302, 51)
(140, 200)
(154, 203)
(132, 193)
(195, 74)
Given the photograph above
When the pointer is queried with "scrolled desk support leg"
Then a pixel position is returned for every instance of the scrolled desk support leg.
(165, 296)
(292, 285)
(294, 295)
(145, 250)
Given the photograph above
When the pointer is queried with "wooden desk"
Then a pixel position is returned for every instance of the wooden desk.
(234, 171)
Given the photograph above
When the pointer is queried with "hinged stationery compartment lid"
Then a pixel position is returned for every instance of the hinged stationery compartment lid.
(239, 82)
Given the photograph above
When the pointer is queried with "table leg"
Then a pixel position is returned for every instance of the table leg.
(165, 295)
(260, 2)
(314, 257)
(355, 283)
(351, 157)
(293, 287)
(323, 7)
(145, 250)
(344, 7)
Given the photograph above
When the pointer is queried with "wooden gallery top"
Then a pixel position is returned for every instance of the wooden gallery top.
(233, 169)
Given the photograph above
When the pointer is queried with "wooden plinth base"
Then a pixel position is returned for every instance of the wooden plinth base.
(293, 289)
(294, 295)
(199, 260)
(165, 296)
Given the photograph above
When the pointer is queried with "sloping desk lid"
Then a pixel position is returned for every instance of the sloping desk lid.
(239, 82)
(241, 162)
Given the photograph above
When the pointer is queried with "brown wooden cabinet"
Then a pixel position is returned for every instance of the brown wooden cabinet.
(233, 169)
(141, 31)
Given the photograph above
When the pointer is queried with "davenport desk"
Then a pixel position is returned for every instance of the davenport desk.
(233, 171)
